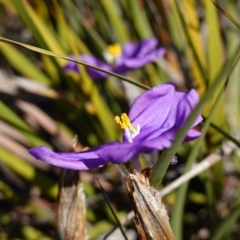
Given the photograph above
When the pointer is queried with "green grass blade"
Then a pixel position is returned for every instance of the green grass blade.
(233, 96)
(29, 173)
(38, 28)
(227, 224)
(20, 9)
(29, 232)
(195, 36)
(202, 71)
(215, 60)
(163, 162)
(224, 133)
(215, 63)
(175, 27)
(140, 19)
(144, 30)
(102, 111)
(49, 53)
(67, 36)
(227, 15)
(92, 33)
(11, 117)
(113, 11)
(178, 209)
(23, 64)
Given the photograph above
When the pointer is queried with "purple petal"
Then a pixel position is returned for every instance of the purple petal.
(129, 49)
(162, 111)
(76, 161)
(114, 152)
(72, 66)
(119, 153)
(127, 64)
(96, 62)
(147, 45)
(191, 135)
(183, 104)
(132, 50)
(152, 107)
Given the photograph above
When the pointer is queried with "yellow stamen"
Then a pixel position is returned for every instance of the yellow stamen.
(115, 50)
(125, 122)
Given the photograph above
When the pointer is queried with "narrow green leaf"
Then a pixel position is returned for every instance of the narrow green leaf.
(175, 25)
(140, 19)
(215, 63)
(29, 173)
(228, 223)
(144, 30)
(190, 43)
(11, 117)
(23, 64)
(20, 9)
(89, 88)
(78, 19)
(49, 53)
(8, 4)
(37, 26)
(113, 11)
(193, 25)
(99, 228)
(233, 96)
(178, 209)
(224, 133)
(68, 36)
(104, 114)
(167, 155)
(29, 232)
(227, 15)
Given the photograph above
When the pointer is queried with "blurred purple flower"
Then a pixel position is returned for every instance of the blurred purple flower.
(154, 118)
(131, 56)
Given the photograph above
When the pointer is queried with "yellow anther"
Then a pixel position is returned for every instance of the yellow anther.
(115, 50)
(125, 122)
(118, 121)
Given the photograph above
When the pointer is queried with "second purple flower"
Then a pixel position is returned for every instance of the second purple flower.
(120, 60)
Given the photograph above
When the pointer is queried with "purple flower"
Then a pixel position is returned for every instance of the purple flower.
(153, 120)
(131, 56)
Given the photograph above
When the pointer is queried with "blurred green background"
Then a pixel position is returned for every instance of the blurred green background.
(40, 104)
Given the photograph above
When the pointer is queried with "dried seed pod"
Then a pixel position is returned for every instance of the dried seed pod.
(71, 217)
(151, 218)
(71, 212)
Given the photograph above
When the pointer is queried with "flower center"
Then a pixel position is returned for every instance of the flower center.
(112, 54)
(125, 123)
(115, 50)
